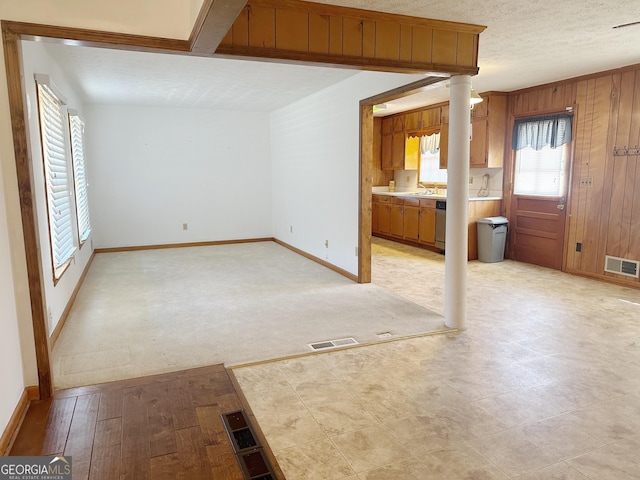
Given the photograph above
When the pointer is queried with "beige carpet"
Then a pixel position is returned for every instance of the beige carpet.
(146, 312)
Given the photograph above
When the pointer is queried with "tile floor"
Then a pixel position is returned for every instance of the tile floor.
(543, 384)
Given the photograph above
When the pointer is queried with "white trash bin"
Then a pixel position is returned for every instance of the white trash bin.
(492, 235)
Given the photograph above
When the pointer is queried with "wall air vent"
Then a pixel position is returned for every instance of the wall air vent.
(621, 266)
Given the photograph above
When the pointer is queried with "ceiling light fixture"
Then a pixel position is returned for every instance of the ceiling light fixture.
(475, 98)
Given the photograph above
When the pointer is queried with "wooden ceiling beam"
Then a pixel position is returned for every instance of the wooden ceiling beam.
(214, 21)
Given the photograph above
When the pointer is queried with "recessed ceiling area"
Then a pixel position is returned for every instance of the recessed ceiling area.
(525, 44)
(108, 76)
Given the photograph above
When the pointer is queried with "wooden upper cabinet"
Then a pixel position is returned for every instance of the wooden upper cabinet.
(413, 121)
(422, 119)
(490, 125)
(444, 145)
(398, 124)
(481, 109)
(478, 145)
(444, 114)
(431, 117)
(387, 125)
(488, 133)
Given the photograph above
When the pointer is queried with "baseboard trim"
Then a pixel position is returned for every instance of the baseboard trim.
(328, 265)
(9, 435)
(63, 318)
(181, 245)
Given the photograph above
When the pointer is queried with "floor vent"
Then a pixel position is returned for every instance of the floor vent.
(621, 266)
(341, 342)
(384, 335)
(246, 446)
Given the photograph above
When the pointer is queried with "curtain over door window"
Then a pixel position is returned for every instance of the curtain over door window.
(542, 151)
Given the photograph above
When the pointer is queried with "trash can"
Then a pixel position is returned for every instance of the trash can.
(492, 234)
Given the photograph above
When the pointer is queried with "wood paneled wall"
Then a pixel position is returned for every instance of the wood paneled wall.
(605, 216)
(312, 32)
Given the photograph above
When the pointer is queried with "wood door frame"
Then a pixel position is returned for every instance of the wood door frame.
(509, 172)
(14, 32)
(366, 166)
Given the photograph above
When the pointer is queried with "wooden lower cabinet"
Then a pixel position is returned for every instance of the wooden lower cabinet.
(414, 220)
(427, 226)
(381, 213)
(397, 217)
(411, 219)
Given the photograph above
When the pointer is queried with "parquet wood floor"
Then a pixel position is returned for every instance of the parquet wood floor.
(164, 426)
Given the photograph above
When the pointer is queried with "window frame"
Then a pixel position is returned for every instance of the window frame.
(44, 86)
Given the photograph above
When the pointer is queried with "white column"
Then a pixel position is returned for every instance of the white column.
(455, 289)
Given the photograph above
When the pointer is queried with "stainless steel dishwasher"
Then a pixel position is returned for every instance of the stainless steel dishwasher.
(441, 223)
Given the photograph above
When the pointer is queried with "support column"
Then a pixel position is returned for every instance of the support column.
(455, 289)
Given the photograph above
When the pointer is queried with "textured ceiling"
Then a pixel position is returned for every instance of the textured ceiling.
(150, 79)
(526, 43)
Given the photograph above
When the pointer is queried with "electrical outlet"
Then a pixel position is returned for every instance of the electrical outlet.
(586, 181)
(578, 247)
(408, 178)
(185, 226)
(470, 180)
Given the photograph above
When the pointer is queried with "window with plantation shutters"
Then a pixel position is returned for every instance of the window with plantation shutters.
(56, 169)
(76, 129)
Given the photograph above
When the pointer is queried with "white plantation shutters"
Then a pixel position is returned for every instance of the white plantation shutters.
(76, 128)
(58, 191)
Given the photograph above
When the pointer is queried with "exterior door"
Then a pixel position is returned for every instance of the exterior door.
(538, 213)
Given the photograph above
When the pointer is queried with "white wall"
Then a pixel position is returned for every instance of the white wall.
(315, 155)
(153, 169)
(37, 60)
(162, 18)
(11, 374)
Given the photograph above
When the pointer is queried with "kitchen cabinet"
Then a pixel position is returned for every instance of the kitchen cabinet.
(381, 214)
(427, 224)
(413, 121)
(398, 152)
(444, 145)
(488, 133)
(411, 220)
(397, 217)
(422, 119)
(478, 144)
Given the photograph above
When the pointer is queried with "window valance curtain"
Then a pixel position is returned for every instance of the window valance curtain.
(430, 143)
(538, 132)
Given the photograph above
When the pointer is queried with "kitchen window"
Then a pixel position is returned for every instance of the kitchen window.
(76, 128)
(542, 154)
(430, 171)
(51, 107)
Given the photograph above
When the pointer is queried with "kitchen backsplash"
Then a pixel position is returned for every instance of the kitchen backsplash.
(407, 180)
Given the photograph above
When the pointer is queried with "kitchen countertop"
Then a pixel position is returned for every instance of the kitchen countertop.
(434, 196)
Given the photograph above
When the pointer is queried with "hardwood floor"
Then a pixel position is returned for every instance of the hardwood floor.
(161, 426)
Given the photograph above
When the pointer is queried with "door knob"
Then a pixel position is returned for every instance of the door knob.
(560, 205)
